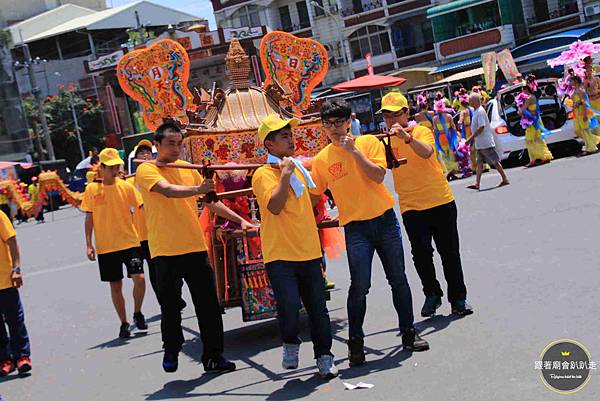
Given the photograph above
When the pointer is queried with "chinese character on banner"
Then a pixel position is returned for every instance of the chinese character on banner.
(538, 365)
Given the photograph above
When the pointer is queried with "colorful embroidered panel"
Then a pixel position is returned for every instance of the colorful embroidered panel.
(297, 65)
(157, 78)
(244, 147)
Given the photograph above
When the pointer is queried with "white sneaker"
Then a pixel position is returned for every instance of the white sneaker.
(326, 366)
(290, 356)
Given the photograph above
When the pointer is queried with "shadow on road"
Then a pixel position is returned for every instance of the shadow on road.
(244, 344)
(119, 342)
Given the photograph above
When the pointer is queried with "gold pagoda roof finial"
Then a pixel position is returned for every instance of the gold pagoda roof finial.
(238, 65)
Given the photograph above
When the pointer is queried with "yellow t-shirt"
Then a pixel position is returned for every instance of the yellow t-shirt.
(111, 207)
(420, 183)
(292, 234)
(32, 190)
(90, 176)
(139, 216)
(356, 195)
(6, 232)
(173, 224)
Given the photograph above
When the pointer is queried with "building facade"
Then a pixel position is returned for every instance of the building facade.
(318, 19)
(18, 10)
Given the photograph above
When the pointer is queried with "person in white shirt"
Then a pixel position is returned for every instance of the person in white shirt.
(483, 136)
(355, 127)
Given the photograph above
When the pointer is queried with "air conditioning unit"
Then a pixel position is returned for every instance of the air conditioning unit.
(592, 9)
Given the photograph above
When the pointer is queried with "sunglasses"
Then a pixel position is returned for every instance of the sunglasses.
(337, 123)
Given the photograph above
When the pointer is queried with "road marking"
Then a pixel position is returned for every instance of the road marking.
(58, 269)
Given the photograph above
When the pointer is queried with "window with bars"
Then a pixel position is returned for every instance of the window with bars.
(372, 39)
(247, 16)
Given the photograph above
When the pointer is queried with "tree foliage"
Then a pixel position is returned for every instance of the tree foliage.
(61, 123)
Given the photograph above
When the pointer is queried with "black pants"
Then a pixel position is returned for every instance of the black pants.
(295, 281)
(145, 253)
(195, 270)
(439, 224)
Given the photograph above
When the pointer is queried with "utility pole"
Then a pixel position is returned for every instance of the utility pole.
(76, 122)
(37, 93)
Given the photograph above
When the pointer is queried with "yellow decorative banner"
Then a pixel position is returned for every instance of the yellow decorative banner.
(508, 66)
(489, 69)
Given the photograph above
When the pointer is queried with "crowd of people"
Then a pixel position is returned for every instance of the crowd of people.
(153, 216)
(10, 208)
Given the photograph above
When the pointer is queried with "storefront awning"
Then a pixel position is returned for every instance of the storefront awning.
(454, 6)
(460, 76)
(457, 65)
(554, 41)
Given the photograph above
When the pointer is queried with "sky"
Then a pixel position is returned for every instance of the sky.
(200, 8)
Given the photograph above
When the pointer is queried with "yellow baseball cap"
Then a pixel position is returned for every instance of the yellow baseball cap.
(393, 101)
(273, 122)
(110, 157)
(143, 142)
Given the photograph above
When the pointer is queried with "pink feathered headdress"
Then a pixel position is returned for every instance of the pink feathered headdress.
(421, 101)
(531, 82)
(577, 51)
(440, 107)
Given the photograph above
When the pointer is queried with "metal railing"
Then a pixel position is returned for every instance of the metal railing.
(356, 9)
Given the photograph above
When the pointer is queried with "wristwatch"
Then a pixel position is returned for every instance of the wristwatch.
(16, 270)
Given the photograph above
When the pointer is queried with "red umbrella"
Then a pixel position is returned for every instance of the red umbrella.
(367, 82)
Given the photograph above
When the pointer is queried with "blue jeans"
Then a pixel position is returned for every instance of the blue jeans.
(363, 238)
(16, 345)
(292, 281)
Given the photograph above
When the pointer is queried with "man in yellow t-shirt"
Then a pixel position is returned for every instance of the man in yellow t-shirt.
(290, 245)
(179, 251)
(108, 206)
(427, 206)
(143, 151)
(14, 350)
(33, 191)
(353, 170)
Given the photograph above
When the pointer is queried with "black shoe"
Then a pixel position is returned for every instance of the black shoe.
(430, 306)
(124, 330)
(356, 352)
(461, 308)
(218, 365)
(170, 361)
(412, 341)
(140, 321)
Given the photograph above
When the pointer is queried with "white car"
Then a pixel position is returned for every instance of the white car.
(510, 137)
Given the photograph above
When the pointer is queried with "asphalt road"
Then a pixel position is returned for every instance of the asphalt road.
(530, 255)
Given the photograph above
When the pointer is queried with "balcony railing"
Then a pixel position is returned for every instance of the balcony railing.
(467, 29)
(296, 27)
(356, 9)
(405, 51)
(561, 11)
